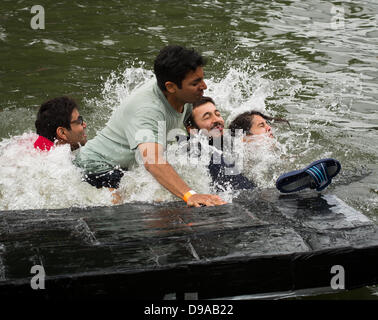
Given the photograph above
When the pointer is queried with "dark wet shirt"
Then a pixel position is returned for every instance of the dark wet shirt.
(224, 173)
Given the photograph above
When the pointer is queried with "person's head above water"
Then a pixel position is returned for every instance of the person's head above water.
(205, 116)
(179, 74)
(252, 123)
(59, 119)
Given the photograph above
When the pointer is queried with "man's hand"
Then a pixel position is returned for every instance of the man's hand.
(116, 197)
(155, 163)
(199, 200)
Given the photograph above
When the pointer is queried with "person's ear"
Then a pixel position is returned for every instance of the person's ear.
(61, 133)
(170, 87)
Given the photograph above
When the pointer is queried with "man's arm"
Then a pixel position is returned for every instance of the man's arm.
(155, 163)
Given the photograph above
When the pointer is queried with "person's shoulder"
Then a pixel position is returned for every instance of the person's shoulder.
(143, 98)
(144, 90)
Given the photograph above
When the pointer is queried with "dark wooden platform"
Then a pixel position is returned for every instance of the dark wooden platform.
(261, 243)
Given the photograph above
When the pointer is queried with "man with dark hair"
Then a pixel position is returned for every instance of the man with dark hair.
(139, 126)
(206, 117)
(191, 123)
(172, 65)
(59, 121)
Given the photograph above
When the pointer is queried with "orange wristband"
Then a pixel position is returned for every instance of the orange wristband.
(188, 195)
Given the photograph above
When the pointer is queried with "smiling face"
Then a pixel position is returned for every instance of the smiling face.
(207, 116)
(76, 136)
(260, 126)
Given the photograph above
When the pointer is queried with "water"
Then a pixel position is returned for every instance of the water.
(312, 62)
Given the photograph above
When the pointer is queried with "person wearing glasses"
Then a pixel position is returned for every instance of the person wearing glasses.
(59, 122)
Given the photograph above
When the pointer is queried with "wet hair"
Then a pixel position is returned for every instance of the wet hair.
(189, 122)
(244, 121)
(53, 114)
(174, 62)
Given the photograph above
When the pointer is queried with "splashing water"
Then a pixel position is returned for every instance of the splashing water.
(264, 158)
(31, 179)
(116, 89)
(137, 183)
(35, 180)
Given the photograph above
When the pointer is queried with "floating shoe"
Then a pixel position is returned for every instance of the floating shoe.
(318, 175)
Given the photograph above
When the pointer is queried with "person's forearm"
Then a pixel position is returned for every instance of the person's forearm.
(168, 178)
(155, 163)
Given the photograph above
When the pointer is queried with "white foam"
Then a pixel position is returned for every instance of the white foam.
(30, 179)
(54, 46)
(3, 35)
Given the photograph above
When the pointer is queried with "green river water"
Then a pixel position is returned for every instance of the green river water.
(312, 62)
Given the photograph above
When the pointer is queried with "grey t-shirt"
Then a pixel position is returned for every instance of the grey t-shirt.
(145, 116)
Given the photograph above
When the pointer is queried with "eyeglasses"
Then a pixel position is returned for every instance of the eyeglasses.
(79, 120)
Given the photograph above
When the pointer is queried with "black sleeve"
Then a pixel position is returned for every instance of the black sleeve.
(232, 177)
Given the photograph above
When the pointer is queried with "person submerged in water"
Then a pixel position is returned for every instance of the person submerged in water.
(253, 123)
(206, 117)
(59, 122)
(318, 175)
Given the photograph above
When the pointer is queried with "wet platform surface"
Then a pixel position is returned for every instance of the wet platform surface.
(262, 242)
